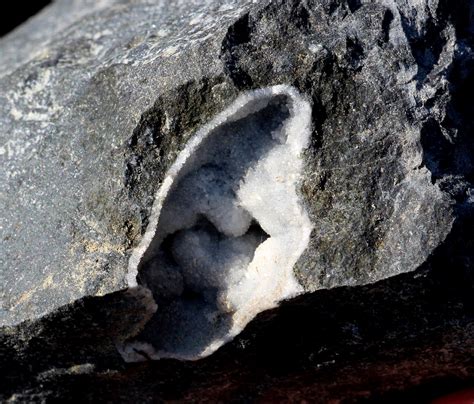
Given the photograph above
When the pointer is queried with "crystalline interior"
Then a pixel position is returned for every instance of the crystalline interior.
(227, 228)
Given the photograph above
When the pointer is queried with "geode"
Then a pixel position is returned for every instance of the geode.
(173, 169)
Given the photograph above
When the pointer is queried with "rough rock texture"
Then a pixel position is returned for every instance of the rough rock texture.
(96, 107)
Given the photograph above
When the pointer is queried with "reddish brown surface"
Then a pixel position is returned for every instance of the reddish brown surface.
(460, 397)
(386, 378)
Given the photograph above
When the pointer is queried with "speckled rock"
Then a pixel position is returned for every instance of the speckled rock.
(95, 109)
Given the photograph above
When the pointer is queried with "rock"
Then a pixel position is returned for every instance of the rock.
(97, 107)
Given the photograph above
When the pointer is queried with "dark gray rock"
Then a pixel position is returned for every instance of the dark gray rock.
(95, 110)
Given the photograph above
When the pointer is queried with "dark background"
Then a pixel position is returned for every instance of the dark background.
(18, 12)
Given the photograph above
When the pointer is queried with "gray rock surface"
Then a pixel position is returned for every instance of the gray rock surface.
(97, 105)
